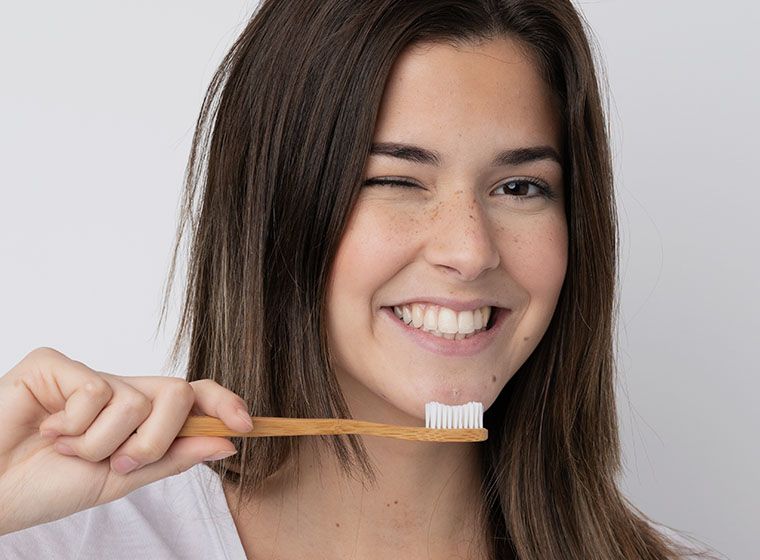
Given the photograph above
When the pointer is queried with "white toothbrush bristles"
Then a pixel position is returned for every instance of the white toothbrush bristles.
(444, 416)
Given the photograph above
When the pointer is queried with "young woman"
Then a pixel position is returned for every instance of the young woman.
(364, 176)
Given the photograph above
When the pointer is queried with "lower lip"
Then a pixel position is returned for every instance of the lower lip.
(444, 346)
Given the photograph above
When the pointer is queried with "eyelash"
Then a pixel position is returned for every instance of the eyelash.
(545, 190)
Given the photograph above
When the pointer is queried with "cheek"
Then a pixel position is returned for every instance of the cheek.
(377, 243)
(536, 257)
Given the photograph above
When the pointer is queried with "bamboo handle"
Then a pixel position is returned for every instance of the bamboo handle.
(264, 426)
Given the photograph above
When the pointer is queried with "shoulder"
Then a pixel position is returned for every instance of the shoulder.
(182, 516)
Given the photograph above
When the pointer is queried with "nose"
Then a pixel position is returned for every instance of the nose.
(460, 240)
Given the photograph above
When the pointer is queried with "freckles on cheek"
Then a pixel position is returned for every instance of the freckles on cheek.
(538, 259)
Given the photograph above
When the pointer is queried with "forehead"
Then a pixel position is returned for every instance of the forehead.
(459, 98)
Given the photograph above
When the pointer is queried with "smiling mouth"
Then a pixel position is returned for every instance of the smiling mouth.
(444, 322)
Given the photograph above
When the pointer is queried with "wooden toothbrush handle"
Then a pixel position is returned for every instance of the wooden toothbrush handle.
(264, 426)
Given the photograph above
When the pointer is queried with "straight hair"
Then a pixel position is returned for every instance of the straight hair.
(275, 168)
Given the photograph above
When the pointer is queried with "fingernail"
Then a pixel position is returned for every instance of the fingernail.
(220, 455)
(64, 449)
(124, 464)
(246, 418)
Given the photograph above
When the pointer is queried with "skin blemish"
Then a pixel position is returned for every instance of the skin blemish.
(395, 501)
(493, 379)
(337, 524)
(526, 338)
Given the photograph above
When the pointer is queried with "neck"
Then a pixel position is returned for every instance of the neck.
(425, 503)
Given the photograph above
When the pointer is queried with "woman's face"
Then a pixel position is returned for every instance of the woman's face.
(464, 224)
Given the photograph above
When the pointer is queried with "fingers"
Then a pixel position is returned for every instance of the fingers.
(170, 410)
(132, 419)
(182, 454)
(81, 408)
(52, 377)
(212, 399)
(156, 434)
(136, 431)
(128, 409)
(153, 452)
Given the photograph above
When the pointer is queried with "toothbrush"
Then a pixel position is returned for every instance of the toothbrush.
(442, 423)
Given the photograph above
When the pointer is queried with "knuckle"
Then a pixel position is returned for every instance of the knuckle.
(45, 351)
(44, 354)
(136, 405)
(181, 392)
(97, 388)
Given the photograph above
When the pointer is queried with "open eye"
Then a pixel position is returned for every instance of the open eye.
(525, 187)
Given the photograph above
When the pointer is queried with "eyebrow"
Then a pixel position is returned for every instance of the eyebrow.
(417, 154)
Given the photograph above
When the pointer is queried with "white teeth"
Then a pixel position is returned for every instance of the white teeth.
(431, 319)
(418, 316)
(442, 321)
(447, 321)
(407, 314)
(465, 416)
(465, 322)
(477, 319)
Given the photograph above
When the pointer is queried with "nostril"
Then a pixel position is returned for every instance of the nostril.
(449, 269)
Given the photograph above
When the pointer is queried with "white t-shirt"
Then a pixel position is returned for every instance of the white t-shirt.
(180, 517)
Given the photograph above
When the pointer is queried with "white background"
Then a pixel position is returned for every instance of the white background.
(97, 106)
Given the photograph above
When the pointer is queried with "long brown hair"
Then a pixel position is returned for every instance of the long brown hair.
(276, 164)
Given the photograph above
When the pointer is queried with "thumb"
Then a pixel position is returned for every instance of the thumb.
(182, 454)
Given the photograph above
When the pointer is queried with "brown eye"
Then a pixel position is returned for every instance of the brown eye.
(520, 187)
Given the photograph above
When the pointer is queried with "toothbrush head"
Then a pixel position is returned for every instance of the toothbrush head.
(445, 416)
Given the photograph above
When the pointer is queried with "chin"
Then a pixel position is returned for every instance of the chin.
(412, 400)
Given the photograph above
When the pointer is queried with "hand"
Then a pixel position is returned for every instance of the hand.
(72, 438)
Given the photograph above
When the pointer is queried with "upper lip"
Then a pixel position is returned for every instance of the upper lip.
(454, 304)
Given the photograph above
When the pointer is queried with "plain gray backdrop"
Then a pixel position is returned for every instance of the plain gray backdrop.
(97, 107)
